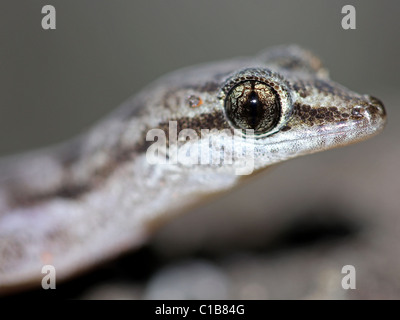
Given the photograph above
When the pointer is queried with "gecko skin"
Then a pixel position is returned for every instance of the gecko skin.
(78, 204)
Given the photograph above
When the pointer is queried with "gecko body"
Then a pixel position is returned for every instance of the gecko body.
(83, 202)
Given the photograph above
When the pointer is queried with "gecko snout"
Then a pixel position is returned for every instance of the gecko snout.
(373, 112)
(372, 109)
(376, 107)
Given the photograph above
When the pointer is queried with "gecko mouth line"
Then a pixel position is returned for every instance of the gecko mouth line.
(227, 149)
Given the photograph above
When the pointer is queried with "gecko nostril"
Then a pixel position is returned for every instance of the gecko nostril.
(357, 113)
(376, 107)
(372, 109)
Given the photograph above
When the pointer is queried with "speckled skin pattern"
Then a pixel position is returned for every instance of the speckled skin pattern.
(90, 199)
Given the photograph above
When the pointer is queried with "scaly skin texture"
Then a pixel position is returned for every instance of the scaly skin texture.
(86, 201)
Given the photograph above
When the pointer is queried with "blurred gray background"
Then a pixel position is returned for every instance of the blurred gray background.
(54, 84)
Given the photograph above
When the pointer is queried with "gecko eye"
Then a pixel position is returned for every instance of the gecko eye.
(257, 99)
(253, 105)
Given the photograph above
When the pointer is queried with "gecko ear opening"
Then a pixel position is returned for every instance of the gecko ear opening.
(257, 99)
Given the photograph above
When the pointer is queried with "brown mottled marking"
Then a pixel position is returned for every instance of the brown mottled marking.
(215, 120)
(320, 115)
(71, 191)
(302, 89)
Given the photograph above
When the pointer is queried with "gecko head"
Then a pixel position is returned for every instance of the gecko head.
(279, 105)
(286, 115)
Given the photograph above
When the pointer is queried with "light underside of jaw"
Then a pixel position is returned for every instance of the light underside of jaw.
(290, 145)
(355, 130)
(305, 139)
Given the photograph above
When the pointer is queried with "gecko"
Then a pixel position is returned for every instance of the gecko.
(90, 199)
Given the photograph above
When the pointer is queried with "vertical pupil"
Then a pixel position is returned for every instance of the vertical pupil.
(253, 105)
(253, 109)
